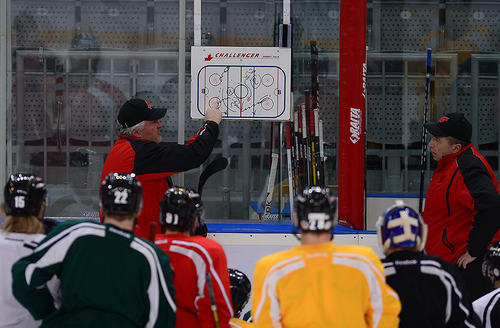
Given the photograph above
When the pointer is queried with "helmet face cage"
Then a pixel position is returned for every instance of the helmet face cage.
(491, 264)
(401, 227)
(180, 207)
(240, 290)
(121, 193)
(314, 209)
(24, 195)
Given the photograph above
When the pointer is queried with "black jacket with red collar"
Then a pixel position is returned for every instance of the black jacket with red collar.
(153, 162)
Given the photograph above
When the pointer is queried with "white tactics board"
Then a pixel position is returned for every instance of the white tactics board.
(248, 83)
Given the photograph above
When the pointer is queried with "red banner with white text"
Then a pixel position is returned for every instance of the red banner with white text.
(352, 90)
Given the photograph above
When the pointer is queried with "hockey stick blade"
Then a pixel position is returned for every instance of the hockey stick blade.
(217, 165)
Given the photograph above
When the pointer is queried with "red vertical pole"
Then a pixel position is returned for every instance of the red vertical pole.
(352, 91)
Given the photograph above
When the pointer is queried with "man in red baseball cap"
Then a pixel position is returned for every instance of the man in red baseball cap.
(139, 150)
(462, 205)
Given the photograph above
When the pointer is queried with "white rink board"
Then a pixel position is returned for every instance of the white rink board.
(243, 250)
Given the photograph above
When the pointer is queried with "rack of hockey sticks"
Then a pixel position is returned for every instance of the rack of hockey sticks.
(305, 157)
(308, 158)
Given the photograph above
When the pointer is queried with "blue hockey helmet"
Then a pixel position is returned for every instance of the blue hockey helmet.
(401, 227)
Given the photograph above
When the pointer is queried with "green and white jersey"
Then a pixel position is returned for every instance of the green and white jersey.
(108, 278)
(13, 246)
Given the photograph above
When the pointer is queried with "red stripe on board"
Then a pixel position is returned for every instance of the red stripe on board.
(241, 90)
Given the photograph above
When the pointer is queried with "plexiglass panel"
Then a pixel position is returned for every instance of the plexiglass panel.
(74, 63)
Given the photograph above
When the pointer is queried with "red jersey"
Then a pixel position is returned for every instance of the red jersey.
(191, 259)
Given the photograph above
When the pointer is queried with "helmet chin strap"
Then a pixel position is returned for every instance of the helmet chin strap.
(295, 234)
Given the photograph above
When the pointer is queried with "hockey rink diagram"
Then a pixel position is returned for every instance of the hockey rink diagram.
(242, 91)
(246, 83)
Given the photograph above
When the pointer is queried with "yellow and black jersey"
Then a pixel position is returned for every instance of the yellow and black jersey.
(323, 285)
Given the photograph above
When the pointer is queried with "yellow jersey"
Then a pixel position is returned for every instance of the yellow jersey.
(238, 323)
(323, 285)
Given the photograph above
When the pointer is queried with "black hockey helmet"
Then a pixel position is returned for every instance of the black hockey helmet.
(121, 193)
(491, 264)
(180, 207)
(24, 195)
(240, 290)
(314, 209)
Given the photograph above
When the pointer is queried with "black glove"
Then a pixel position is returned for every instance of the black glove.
(201, 230)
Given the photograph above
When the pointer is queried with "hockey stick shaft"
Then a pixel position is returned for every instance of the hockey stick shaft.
(270, 185)
(314, 111)
(298, 149)
(152, 231)
(423, 158)
(313, 150)
(319, 173)
(293, 150)
(300, 146)
(213, 304)
(289, 166)
(321, 152)
(305, 142)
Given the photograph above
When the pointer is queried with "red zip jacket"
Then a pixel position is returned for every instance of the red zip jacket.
(191, 259)
(153, 162)
(462, 206)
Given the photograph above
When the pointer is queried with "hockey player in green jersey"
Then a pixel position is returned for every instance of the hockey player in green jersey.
(108, 276)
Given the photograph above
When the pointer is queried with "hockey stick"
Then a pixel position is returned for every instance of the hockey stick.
(305, 141)
(314, 112)
(319, 174)
(321, 153)
(289, 166)
(293, 150)
(300, 147)
(313, 149)
(213, 305)
(215, 166)
(423, 158)
(270, 188)
(152, 231)
(297, 151)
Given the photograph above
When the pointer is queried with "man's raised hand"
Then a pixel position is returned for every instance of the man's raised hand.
(213, 114)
